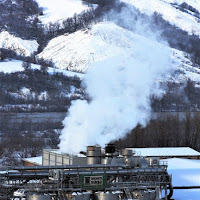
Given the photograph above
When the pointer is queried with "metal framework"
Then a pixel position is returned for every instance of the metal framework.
(59, 180)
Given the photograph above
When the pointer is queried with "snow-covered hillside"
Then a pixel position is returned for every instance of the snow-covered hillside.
(60, 9)
(80, 50)
(172, 11)
(18, 45)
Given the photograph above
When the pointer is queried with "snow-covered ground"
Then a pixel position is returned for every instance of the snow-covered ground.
(20, 46)
(185, 172)
(183, 20)
(60, 9)
(10, 66)
(191, 194)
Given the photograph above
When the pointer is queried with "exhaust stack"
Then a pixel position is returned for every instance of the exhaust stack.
(93, 155)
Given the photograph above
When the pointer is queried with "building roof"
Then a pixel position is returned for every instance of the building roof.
(166, 151)
(34, 160)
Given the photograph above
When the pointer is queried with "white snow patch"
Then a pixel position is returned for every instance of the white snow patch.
(20, 46)
(11, 66)
(25, 92)
(43, 95)
(34, 160)
(60, 9)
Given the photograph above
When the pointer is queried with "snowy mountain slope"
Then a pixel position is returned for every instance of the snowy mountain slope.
(20, 46)
(80, 50)
(61, 9)
(186, 69)
(171, 11)
(193, 3)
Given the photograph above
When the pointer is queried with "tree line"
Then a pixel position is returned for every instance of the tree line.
(24, 139)
(173, 130)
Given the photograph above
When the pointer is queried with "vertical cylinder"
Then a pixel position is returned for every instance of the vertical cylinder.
(93, 155)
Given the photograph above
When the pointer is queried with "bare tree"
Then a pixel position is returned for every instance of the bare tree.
(26, 66)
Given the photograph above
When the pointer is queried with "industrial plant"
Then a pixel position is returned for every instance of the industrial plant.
(94, 174)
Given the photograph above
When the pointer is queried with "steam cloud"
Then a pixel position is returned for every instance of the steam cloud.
(120, 88)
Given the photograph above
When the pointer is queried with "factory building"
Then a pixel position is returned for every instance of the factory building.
(52, 157)
(94, 174)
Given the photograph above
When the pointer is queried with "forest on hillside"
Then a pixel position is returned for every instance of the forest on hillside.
(38, 91)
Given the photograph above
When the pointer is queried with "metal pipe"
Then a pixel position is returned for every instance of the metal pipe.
(39, 174)
(68, 167)
(170, 192)
(185, 187)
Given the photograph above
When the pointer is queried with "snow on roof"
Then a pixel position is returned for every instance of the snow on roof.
(34, 160)
(166, 151)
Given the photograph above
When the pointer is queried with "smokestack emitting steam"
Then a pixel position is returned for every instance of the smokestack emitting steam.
(120, 88)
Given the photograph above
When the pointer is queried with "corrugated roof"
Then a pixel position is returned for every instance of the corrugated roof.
(166, 151)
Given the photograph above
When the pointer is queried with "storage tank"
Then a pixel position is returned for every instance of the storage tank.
(93, 155)
(106, 196)
(36, 196)
(106, 161)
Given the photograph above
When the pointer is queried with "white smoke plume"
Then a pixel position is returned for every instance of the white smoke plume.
(120, 88)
